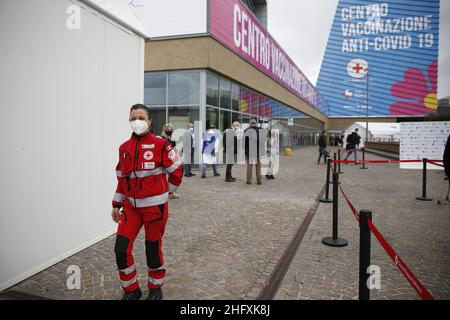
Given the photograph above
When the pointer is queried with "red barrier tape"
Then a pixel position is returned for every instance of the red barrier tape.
(350, 204)
(374, 161)
(412, 279)
(435, 163)
(385, 161)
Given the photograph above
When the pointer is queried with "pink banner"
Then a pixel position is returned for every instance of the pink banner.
(235, 26)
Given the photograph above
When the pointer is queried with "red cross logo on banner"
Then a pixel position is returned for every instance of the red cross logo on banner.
(357, 68)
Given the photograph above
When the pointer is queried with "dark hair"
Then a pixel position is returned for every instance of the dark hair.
(142, 107)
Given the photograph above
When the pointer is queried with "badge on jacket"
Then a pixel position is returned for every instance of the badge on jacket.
(148, 155)
(173, 155)
(149, 165)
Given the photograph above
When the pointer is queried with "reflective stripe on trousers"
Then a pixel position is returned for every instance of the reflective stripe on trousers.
(156, 282)
(129, 270)
(172, 188)
(128, 283)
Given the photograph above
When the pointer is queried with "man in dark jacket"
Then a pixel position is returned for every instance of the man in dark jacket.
(230, 153)
(322, 147)
(353, 141)
(341, 139)
(255, 144)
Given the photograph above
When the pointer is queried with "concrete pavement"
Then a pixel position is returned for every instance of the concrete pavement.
(418, 231)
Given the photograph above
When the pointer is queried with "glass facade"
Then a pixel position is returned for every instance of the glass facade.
(212, 90)
(180, 116)
(155, 88)
(177, 97)
(212, 117)
(184, 88)
(172, 97)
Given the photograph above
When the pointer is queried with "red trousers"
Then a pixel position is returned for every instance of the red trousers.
(131, 221)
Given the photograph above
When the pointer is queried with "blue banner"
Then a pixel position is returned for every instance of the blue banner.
(382, 58)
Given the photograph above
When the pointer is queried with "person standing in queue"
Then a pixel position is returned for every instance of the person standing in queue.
(230, 152)
(210, 148)
(141, 200)
(322, 147)
(271, 154)
(166, 133)
(255, 144)
(188, 150)
(341, 138)
(336, 140)
(330, 140)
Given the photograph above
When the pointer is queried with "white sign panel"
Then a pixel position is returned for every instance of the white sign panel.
(420, 140)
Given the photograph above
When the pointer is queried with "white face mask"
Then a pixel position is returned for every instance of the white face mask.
(139, 126)
(191, 129)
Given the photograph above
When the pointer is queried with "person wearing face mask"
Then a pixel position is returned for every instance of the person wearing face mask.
(141, 200)
(210, 147)
(167, 132)
(188, 150)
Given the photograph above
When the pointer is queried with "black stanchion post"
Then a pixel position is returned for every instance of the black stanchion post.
(339, 163)
(335, 162)
(424, 182)
(327, 185)
(364, 253)
(364, 158)
(334, 241)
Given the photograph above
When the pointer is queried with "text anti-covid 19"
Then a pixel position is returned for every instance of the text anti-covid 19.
(397, 42)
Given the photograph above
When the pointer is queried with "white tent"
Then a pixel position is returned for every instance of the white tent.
(378, 131)
(121, 12)
(70, 70)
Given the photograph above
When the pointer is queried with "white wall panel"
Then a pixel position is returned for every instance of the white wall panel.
(65, 97)
(419, 140)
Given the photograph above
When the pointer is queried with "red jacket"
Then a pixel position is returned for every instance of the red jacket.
(141, 172)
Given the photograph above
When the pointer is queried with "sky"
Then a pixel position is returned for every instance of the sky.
(302, 27)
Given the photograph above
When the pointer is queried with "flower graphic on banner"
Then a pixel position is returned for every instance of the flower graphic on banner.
(420, 92)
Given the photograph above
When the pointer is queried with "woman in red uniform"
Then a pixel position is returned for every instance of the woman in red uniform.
(142, 193)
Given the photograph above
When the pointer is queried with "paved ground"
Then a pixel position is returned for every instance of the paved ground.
(223, 240)
(418, 231)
